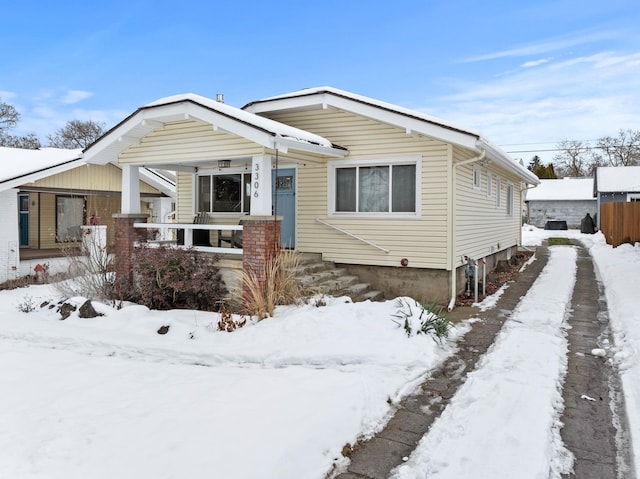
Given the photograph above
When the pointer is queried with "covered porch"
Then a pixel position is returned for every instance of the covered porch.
(227, 162)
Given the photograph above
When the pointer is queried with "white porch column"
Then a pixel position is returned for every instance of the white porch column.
(130, 190)
(261, 201)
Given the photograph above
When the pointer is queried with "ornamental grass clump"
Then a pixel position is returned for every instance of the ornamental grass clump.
(279, 287)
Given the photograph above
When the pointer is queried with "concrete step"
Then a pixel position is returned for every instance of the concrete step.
(325, 278)
(311, 279)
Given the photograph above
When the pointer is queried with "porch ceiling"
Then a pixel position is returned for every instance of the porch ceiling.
(262, 131)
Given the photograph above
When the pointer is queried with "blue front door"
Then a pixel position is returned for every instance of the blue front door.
(23, 207)
(284, 201)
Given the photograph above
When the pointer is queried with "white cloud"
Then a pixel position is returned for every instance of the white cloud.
(582, 98)
(540, 48)
(74, 96)
(536, 63)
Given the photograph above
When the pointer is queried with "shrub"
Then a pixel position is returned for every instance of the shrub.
(429, 319)
(89, 273)
(168, 278)
(280, 285)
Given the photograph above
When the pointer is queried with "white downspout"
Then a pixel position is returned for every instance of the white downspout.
(452, 239)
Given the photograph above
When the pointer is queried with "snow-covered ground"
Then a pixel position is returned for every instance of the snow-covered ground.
(109, 397)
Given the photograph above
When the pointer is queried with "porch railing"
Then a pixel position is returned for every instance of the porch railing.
(188, 235)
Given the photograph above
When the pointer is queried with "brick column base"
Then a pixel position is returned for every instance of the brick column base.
(260, 243)
(125, 236)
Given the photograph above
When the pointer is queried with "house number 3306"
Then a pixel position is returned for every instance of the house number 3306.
(256, 182)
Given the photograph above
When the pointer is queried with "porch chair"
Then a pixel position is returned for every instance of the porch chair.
(201, 237)
(234, 238)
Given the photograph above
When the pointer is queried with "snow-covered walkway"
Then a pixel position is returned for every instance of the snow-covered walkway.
(515, 387)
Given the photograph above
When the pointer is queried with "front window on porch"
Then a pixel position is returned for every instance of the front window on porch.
(70, 216)
(224, 193)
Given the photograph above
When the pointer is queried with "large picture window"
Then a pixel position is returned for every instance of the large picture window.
(70, 215)
(228, 193)
(379, 188)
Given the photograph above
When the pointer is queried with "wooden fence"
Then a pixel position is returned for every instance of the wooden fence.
(620, 222)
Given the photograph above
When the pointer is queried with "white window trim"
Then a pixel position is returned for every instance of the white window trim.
(509, 204)
(476, 177)
(211, 172)
(331, 186)
(498, 191)
(489, 184)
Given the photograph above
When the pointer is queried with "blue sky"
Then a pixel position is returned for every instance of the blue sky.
(526, 74)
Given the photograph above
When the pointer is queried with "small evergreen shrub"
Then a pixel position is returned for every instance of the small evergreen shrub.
(168, 278)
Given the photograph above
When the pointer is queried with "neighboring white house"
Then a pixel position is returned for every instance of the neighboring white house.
(48, 194)
(565, 199)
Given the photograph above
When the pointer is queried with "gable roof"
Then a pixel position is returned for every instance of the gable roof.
(617, 179)
(21, 166)
(263, 131)
(412, 121)
(562, 189)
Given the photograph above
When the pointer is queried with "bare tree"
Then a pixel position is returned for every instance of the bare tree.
(76, 134)
(574, 159)
(9, 118)
(29, 141)
(621, 151)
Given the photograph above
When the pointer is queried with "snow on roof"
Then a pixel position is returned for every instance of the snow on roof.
(410, 119)
(19, 163)
(285, 131)
(372, 101)
(618, 178)
(562, 189)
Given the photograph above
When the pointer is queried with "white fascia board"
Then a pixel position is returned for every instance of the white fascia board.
(158, 182)
(280, 142)
(291, 103)
(119, 139)
(230, 125)
(506, 162)
(415, 125)
(30, 178)
(372, 111)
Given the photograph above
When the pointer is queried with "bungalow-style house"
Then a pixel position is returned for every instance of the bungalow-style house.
(616, 184)
(50, 193)
(566, 199)
(397, 196)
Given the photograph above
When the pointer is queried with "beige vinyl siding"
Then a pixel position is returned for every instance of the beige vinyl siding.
(188, 141)
(184, 197)
(422, 240)
(48, 221)
(482, 227)
(89, 177)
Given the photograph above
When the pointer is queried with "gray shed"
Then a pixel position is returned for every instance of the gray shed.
(566, 199)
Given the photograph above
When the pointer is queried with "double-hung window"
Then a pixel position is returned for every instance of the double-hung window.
(380, 187)
(224, 193)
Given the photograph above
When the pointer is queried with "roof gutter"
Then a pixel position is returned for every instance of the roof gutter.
(452, 237)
